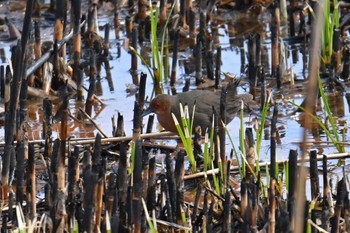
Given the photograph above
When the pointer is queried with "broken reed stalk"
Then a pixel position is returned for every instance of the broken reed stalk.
(339, 205)
(244, 201)
(293, 172)
(20, 167)
(134, 56)
(151, 186)
(10, 122)
(116, 19)
(60, 19)
(174, 62)
(192, 27)
(222, 131)
(142, 91)
(76, 50)
(90, 181)
(61, 176)
(326, 194)
(179, 173)
(210, 63)
(22, 134)
(106, 41)
(108, 74)
(252, 59)
(150, 123)
(119, 132)
(182, 14)
(314, 180)
(137, 188)
(217, 67)
(7, 87)
(166, 194)
(198, 61)
(72, 190)
(145, 173)
(137, 121)
(98, 168)
(346, 65)
(91, 91)
(10, 117)
(273, 143)
(111, 198)
(31, 184)
(37, 46)
(123, 183)
(171, 188)
(274, 43)
(2, 81)
(47, 127)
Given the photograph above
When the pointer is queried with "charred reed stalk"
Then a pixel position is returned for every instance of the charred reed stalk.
(76, 53)
(293, 177)
(47, 127)
(116, 19)
(174, 64)
(198, 56)
(171, 187)
(137, 189)
(73, 178)
(326, 193)
(37, 46)
(217, 67)
(120, 131)
(137, 121)
(179, 179)
(99, 168)
(60, 21)
(10, 117)
(10, 123)
(134, 56)
(273, 143)
(91, 91)
(314, 180)
(122, 184)
(252, 59)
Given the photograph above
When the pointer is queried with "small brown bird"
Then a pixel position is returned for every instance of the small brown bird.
(204, 101)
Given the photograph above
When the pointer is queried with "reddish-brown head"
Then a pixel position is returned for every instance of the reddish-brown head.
(159, 105)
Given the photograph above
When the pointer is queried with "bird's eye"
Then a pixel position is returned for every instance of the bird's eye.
(156, 105)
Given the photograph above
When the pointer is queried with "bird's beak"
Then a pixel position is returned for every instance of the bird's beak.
(146, 112)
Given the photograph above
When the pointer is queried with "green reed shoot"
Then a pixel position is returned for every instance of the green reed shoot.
(151, 226)
(339, 147)
(331, 23)
(334, 135)
(260, 131)
(158, 53)
(185, 133)
(241, 138)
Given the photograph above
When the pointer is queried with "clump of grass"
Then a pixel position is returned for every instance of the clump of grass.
(185, 133)
(159, 65)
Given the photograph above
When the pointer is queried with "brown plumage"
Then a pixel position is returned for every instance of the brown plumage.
(204, 100)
